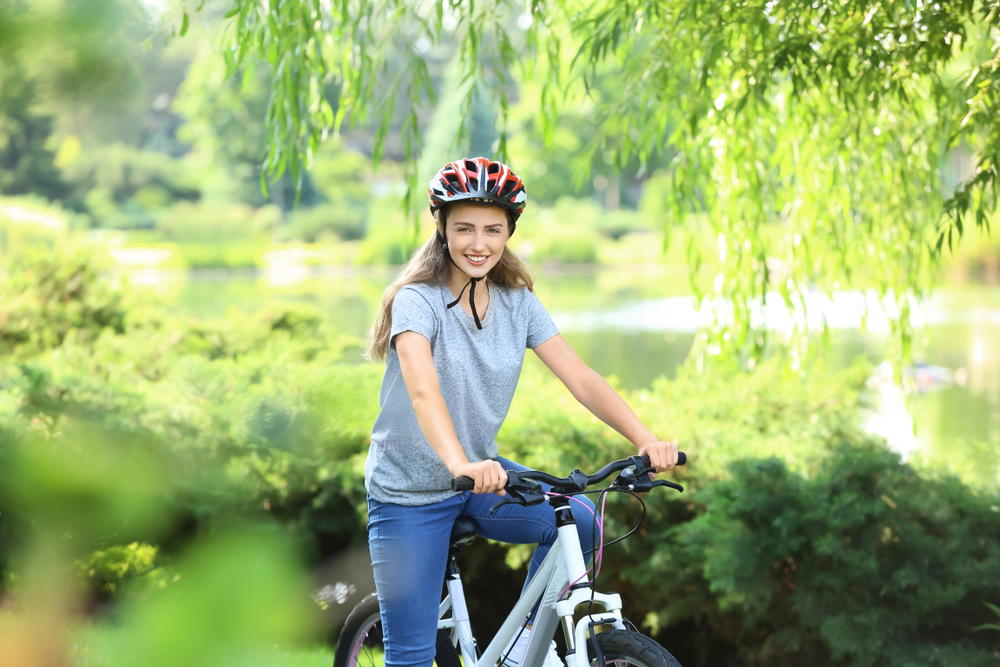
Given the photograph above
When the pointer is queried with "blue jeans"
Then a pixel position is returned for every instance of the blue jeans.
(409, 548)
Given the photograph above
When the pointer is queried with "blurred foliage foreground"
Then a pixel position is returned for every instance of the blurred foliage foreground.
(174, 482)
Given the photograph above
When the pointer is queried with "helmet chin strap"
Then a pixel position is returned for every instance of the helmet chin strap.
(471, 284)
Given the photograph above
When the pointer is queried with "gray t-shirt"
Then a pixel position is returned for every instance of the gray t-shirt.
(477, 371)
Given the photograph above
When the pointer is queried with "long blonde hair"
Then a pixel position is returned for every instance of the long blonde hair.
(429, 265)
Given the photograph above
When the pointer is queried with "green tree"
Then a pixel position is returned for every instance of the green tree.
(223, 122)
(27, 166)
(84, 91)
(807, 132)
(559, 157)
(445, 130)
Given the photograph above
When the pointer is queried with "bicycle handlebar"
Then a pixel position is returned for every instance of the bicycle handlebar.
(576, 481)
(463, 484)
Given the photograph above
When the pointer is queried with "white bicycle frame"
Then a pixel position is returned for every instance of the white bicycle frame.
(563, 565)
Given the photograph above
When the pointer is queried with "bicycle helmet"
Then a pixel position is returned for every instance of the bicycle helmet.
(476, 179)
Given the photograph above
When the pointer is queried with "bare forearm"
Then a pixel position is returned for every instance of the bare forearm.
(417, 366)
(604, 402)
(435, 422)
(595, 394)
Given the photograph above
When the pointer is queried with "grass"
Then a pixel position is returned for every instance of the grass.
(102, 645)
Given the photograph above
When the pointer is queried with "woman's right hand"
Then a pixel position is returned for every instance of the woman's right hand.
(489, 476)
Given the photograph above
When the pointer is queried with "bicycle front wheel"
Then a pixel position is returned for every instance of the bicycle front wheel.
(623, 647)
(361, 645)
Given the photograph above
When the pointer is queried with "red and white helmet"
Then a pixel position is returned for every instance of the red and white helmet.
(478, 179)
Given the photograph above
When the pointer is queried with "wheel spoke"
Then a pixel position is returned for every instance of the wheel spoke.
(361, 641)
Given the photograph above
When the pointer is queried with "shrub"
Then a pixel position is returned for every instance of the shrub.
(799, 540)
(253, 416)
(863, 563)
(344, 220)
(138, 179)
(558, 245)
(107, 568)
(383, 249)
(51, 294)
(26, 222)
(221, 255)
(211, 236)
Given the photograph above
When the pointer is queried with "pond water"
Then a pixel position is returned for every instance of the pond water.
(638, 322)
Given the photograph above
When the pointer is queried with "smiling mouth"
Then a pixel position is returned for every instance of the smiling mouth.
(477, 260)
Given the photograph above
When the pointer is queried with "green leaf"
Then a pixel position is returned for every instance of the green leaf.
(825, 133)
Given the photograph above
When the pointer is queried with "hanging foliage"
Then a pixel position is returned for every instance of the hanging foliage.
(810, 135)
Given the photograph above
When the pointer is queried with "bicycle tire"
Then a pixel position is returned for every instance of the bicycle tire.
(624, 647)
(360, 642)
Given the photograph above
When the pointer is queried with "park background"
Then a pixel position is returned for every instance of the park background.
(184, 407)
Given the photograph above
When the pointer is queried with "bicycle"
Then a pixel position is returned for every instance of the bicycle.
(559, 587)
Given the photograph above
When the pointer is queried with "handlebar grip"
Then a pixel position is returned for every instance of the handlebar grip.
(681, 459)
(463, 484)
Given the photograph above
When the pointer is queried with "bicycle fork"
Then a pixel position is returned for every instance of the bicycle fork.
(578, 587)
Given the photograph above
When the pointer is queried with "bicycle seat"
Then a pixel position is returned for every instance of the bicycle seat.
(463, 532)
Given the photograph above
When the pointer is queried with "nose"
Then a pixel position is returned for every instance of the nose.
(479, 242)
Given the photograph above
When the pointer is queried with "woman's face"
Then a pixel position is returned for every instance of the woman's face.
(476, 236)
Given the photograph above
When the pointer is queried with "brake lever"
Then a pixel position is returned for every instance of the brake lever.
(636, 478)
(520, 492)
(505, 501)
(529, 498)
(672, 485)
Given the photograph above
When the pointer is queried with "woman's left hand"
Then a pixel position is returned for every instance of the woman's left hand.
(662, 454)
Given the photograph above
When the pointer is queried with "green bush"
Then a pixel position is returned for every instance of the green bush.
(251, 416)
(565, 234)
(587, 214)
(336, 220)
(382, 249)
(863, 563)
(126, 187)
(255, 420)
(233, 255)
(54, 293)
(388, 236)
(557, 245)
(215, 236)
(719, 417)
(566, 246)
(130, 433)
(798, 540)
(27, 222)
(116, 564)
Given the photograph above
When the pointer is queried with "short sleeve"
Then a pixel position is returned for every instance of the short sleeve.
(412, 312)
(540, 324)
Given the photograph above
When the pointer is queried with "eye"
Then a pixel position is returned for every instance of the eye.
(494, 230)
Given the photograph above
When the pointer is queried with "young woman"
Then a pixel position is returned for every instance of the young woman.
(449, 379)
